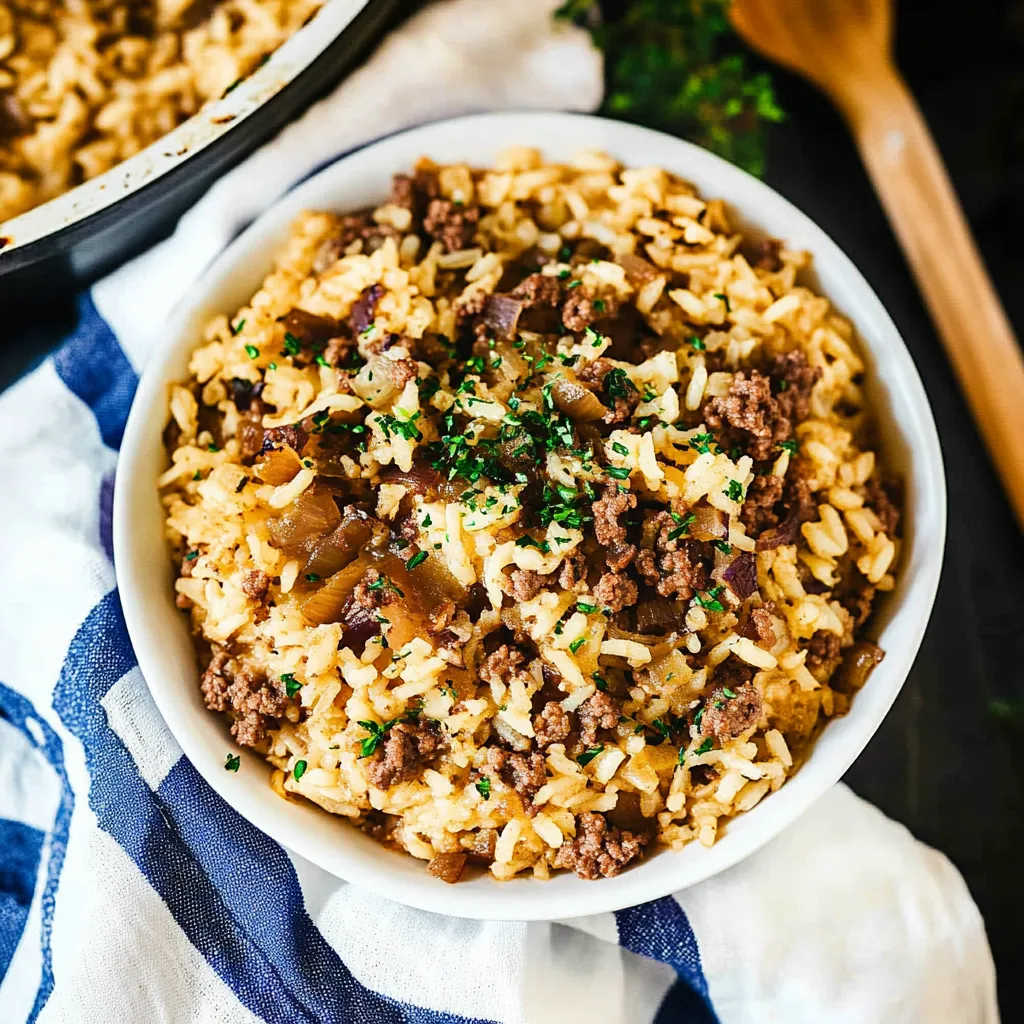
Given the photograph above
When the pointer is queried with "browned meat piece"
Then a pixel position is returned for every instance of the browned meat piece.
(599, 850)
(597, 712)
(580, 310)
(408, 748)
(759, 626)
(370, 594)
(677, 567)
(552, 725)
(248, 696)
(451, 223)
(857, 596)
(765, 256)
(448, 867)
(503, 666)
(309, 328)
(363, 310)
(792, 380)
(879, 497)
(525, 773)
(402, 191)
(255, 584)
(822, 648)
(523, 584)
(403, 371)
(610, 532)
(616, 591)
(799, 507)
(354, 227)
(733, 673)
(292, 435)
(622, 397)
(727, 717)
(416, 192)
(441, 616)
(482, 843)
(748, 415)
(572, 571)
(763, 494)
(538, 290)
(244, 392)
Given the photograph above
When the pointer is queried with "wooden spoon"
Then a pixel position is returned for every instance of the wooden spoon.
(844, 47)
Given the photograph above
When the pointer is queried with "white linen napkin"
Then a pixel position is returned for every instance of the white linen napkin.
(130, 892)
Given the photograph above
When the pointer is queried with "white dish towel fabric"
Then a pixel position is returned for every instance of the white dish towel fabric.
(130, 893)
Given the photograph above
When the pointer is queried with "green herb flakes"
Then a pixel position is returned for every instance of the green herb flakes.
(233, 763)
(734, 491)
(577, 644)
(291, 684)
(483, 787)
(588, 755)
(299, 770)
(418, 559)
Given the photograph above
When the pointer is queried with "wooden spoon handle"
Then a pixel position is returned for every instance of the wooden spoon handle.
(911, 180)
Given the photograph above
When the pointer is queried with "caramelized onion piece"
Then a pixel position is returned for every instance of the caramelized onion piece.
(637, 269)
(359, 624)
(660, 616)
(336, 549)
(709, 523)
(501, 313)
(740, 575)
(310, 515)
(278, 466)
(659, 645)
(423, 479)
(857, 665)
(576, 401)
(328, 602)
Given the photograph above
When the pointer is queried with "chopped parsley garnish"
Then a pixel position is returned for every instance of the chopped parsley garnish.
(697, 343)
(563, 505)
(599, 305)
(723, 546)
(377, 731)
(291, 684)
(237, 328)
(649, 394)
(299, 770)
(191, 556)
(577, 644)
(600, 682)
(663, 729)
(232, 763)
(212, 447)
(709, 599)
(618, 384)
(403, 425)
(619, 448)
(729, 693)
(618, 472)
(252, 351)
(526, 541)
(587, 609)
(588, 755)
(701, 443)
(685, 522)
(271, 366)
(426, 521)
(705, 746)
(292, 345)
(429, 388)
(573, 284)
(483, 787)
(418, 559)
(789, 446)
(725, 299)
(312, 577)
(321, 361)
(734, 491)
(383, 581)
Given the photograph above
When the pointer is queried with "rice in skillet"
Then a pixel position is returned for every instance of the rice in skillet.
(527, 519)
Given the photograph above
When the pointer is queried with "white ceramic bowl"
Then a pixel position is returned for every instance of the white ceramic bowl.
(160, 633)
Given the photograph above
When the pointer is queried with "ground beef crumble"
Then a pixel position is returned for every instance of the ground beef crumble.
(581, 310)
(503, 666)
(599, 850)
(748, 415)
(552, 725)
(599, 711)
(727, 717)
(616, 591)
(525, 773)
(822, 648)
(251, 698)
(524, 584)
(792, 380)
(451, 223)
(407, 749)
(610, 532)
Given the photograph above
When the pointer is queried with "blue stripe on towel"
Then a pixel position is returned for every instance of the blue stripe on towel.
(21, 847)
(93, 366)
(661, 930)
(232, 890)
(18, 710)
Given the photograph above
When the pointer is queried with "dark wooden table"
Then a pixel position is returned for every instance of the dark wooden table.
(942, 763)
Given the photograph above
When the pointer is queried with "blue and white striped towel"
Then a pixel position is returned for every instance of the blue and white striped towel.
(129, 892)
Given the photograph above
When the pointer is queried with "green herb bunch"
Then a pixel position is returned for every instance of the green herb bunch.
(678, 66)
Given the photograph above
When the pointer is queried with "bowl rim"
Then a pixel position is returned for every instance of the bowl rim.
(477, 137)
